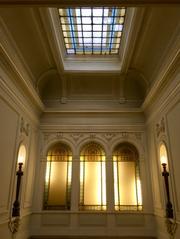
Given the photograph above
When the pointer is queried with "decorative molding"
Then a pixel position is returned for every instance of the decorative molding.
(169, 60)
(160, 127)
(76, 136)
(14, 224)
(76, 139)
(64, 100)
(24, 128)
(59, 135)
(18, 66)
(92, 136)
(171, 226)
(109, 136)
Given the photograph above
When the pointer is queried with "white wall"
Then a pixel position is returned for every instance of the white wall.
(15, 115)
(166, 108)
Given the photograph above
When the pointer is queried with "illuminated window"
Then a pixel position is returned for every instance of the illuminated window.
(92, 30)
(92, 178)
(58, 178)
(127, 184)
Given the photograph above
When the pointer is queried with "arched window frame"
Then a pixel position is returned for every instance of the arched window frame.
(92, 152)
(117, 158)
(58, 152)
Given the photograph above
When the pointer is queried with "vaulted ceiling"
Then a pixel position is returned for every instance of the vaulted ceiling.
(31, 41)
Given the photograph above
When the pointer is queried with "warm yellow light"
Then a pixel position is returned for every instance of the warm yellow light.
(163, 160)
(163, 155)
(116, 198)
(93, 177)
(98, 193)
(139, 193)
(47, 172)
(103, 182)
(69, 171)
(81, 170)
(22, 154)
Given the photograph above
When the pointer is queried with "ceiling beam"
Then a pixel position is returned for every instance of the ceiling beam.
(65, 3)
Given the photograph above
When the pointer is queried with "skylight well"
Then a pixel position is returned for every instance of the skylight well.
(92, 31)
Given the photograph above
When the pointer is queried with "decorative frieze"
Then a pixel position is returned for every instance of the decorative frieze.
(109, 136)
(76, 136)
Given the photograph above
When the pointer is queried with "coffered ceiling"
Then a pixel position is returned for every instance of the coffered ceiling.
(31, 42)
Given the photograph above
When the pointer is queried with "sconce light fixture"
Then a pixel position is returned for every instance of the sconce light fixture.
(15, 219)
(16, 204)
(165, 174)
(19, 174)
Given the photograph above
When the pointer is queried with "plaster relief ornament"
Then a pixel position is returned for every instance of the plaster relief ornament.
(76, 136)
(59, 135)
(109, 136)
(24, 128)
(160, 127)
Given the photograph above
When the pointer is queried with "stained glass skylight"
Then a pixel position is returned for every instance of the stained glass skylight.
(92, 30)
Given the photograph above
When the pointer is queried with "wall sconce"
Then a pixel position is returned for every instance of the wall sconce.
(16, 204)
(165, 174)
(15, 219)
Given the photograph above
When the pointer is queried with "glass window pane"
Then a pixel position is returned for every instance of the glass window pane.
(86, 20)
(92, 178)
(127, 184)
(57, 191)
(87, 28)
(91, 22)
(58, 185)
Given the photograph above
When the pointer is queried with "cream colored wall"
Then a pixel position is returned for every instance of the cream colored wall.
(15, 115)
(165, 111)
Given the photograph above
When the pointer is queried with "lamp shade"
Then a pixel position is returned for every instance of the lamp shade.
(22, 154)
(163, 154)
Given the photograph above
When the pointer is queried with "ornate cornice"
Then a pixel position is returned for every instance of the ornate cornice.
(14, 65)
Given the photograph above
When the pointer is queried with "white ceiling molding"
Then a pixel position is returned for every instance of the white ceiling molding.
(41, 34)
(170, 58)
(12, 95)
(12, 54)
(48, 23)
(130, 36)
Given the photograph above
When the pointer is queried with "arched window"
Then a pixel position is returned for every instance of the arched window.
(127, 184)
(92, 178)
(58, 176)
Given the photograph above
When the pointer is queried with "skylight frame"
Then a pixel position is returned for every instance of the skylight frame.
(101, 42)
